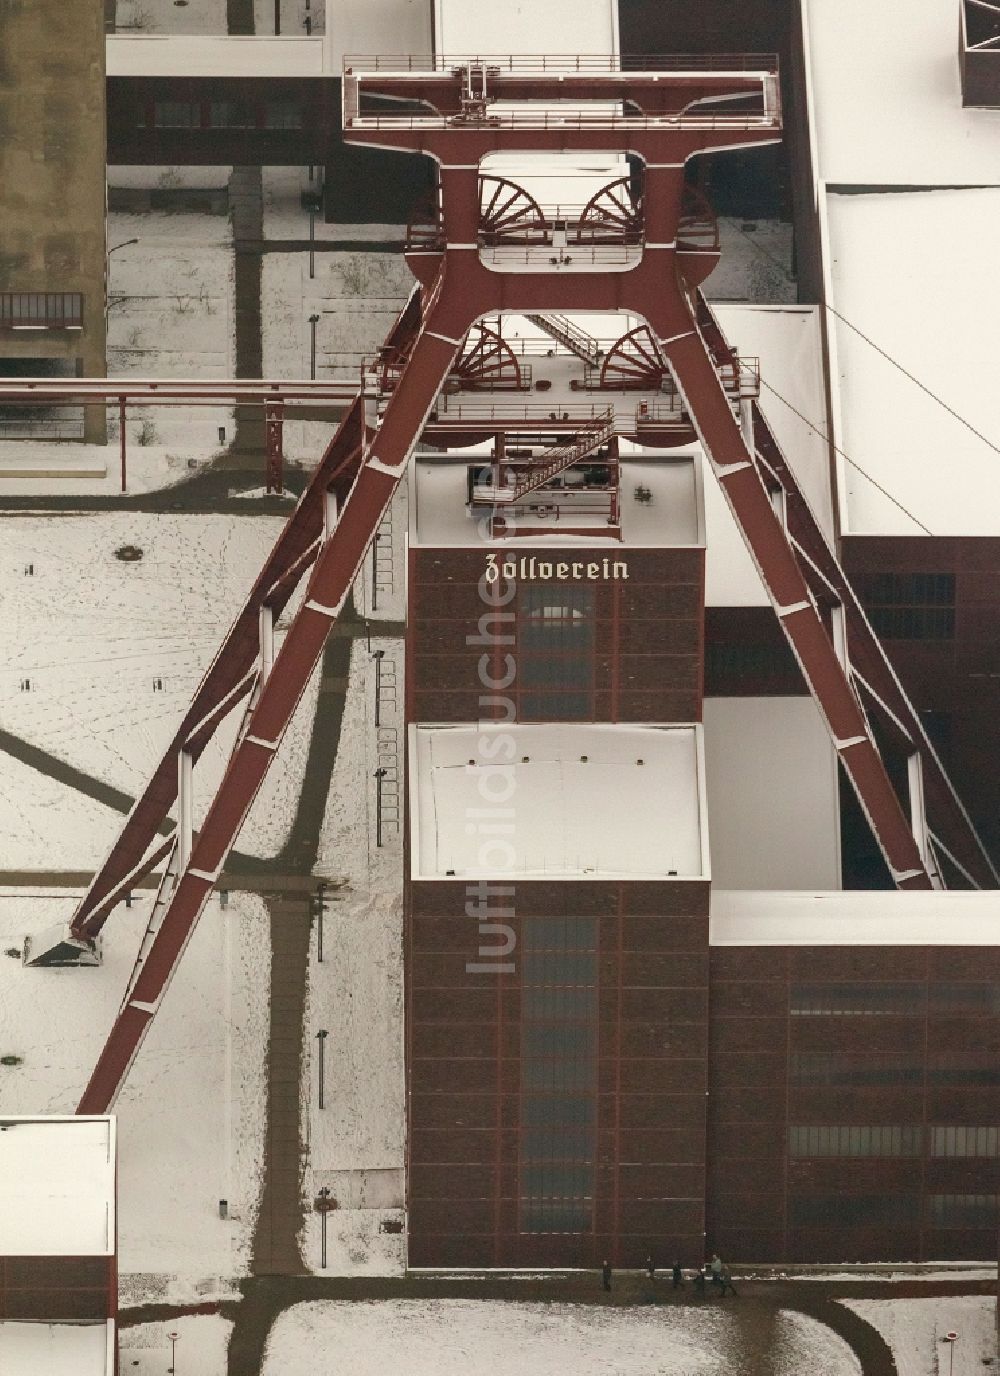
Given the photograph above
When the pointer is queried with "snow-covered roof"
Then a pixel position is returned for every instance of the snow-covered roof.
(772, 794)
(57, 1187)
(373, 27)
(888, 99)
(563, 801)
(214, 55)
(788, 342)
(855, 918)
(914, 272)
(525, 26)
(57, 1349)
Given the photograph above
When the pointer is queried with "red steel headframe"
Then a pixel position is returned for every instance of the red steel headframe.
(676, 115)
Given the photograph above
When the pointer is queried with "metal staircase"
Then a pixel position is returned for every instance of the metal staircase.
(548, 465)
(565, 332)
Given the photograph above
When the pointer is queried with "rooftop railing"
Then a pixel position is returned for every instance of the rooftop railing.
(542, 63)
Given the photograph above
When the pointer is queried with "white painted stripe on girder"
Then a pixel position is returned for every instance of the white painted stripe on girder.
(899, 875)
(258, 740)
(381, 467)
(851, 740)
(685, 334)
(672, 244)
(794, 607)
(315, 606)
(204, 874)
(724, 470)
(664, 164)
(149, 1008)
(446, 337)
(461, 246)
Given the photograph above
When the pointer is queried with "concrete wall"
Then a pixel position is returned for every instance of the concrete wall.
(52, 169)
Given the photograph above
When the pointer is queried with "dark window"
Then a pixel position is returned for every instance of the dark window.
(910, 606)
(963, 1210)
(177, 114)
(555, 653)
(558, 1100)
(282, 114)
(965, 998)
(231, 114)
(37, 308)
(957, 1140)
(852, 1211)
(857, 1000)
(848, 1140)
(986, 1074)
(832, 1068)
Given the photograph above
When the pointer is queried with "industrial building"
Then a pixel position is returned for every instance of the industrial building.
(693, 787)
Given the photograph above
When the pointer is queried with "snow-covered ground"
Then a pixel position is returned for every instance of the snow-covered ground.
(468, 1337)
(356, 994)
(191, 1115)
(200, 1349)
(914, 1329)
(169, 16)
(357, 296)
(285, 218)
(170, 314)
(112, 652)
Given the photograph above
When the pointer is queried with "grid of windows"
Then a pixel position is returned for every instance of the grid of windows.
(958, 1140)
(63, 308)
(910, 606)
(231, 114)
(853, 1211)
(831, 1068)
(965, 998)
(555, 653)
(851, 1000)
(963, 1210)
(176, 114)
(282, 114)
(558, 1074)
(849, 1140)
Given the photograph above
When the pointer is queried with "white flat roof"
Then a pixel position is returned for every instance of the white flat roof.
(772, 794)
(524, 27)
(888, 99)
(787, 340)
(183, 55)
(914, 272)
(854, 918)
(57, 1187)
(375, 27)
(576, 802)
(57, 1349)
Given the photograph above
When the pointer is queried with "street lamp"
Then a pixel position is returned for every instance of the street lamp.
(951, 1339)
(323, 1205)
(107, 274)
(321, 1037)
(313, 322)
(173, 1347)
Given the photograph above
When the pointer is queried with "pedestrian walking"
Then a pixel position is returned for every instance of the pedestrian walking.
(699, 1280)
(650, 1268)
(715, 1269)
(606, 1274)
(727, 1283)
(677, 1275)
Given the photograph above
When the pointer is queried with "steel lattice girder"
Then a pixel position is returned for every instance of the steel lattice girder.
(365, 480)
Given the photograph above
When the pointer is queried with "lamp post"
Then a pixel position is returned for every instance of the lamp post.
(951, 1339)
(320, 909)
(173, 1350)
(378, 657)
(323, 1205)
(321, 1037)
(313, 322)
(379, 776)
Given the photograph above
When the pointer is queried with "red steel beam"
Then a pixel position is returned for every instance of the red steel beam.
(228, 680)
(885, 696)
(338, 561)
